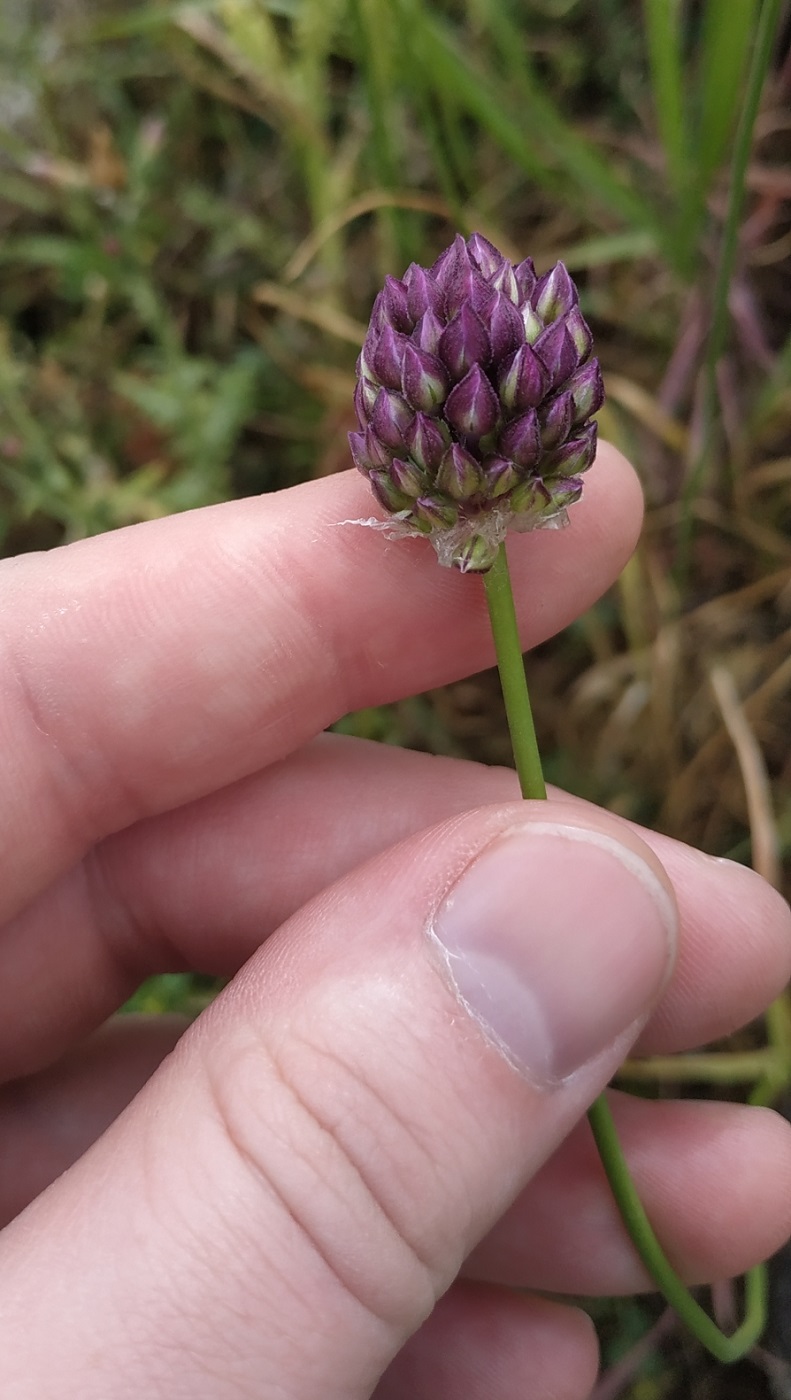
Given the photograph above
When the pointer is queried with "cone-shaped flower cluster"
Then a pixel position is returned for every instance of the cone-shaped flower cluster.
(475, 392)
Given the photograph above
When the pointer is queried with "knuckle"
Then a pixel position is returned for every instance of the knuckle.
(340, 1168)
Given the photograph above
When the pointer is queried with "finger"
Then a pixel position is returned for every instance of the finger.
(301, 1181)
(715, 1178)
(47, 1121)
(151, 665)
(488, 1344)
(202, 887)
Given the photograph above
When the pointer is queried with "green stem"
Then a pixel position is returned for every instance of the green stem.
(502, 614)
(775, 1081)
(511, 666)
(719, 1067)
(724, 1348)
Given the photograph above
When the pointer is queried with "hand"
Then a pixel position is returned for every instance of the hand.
(431, 981)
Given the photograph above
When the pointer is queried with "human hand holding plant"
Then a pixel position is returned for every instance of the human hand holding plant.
(337, 1141)
(475, 390)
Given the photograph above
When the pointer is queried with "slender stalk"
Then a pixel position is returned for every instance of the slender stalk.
(741, 1067)
(724, 1348)
(502, 614)
(778, 1070)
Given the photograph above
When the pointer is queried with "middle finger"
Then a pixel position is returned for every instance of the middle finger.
(203, 886)
(715, 1178)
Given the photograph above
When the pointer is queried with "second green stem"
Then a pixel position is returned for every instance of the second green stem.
(502, 614)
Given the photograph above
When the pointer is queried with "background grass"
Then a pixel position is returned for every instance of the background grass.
(198, 203)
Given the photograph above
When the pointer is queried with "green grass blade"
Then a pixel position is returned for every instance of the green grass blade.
(725, 43)
(144, 19)
(377, 58)
(771, 12)
(538, 140)
(762, 56)
(726, 40)
(439, 131)
(611, 248)
(313, 34)
(665, 58)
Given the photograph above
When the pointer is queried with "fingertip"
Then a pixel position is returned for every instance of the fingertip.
(482, 1340)
(766, 1152)
(736, 942)
(718, 1178)
(614, 504)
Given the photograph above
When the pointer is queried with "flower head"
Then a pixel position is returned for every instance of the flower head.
(475, 394)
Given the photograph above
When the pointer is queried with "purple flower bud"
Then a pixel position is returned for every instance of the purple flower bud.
(390, 418)
(460, 280)
(450, 263)
(501, 476)
(555, 294)
(357, 449)
(386, 492)
(580, 333)
(365, 392)
(523, 380)
(475, 556)
(394, 305)
(504, 281)
(378, 319)
(525, 275)
(532, 323)
(388, 357)
(529, 497)
(368, 453)
(472, 407)
(436, 514)
(376, 452)
(521, 441)
(488, 258)
(506, 331)
(587, 391)
(422, 292)
(428, 332)
(426, 441)
(555, 420)
(407, 478)
(460, 475)
(468, 287)
(555, 349)
(464, 343)
(564, 491)
(424, 379)
(574, 456)
(364, 367)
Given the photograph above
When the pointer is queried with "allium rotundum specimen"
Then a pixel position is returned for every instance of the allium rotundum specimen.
(475, 394)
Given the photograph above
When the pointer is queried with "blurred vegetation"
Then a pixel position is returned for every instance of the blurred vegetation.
(198, 203)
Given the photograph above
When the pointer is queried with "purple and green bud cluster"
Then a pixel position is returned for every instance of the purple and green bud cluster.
(475, 394)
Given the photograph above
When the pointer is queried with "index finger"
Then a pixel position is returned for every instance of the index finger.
(149, 666)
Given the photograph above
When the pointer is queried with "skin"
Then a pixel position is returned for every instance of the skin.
(249, 1224)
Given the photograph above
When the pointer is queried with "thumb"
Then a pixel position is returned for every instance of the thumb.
(288, 1197)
